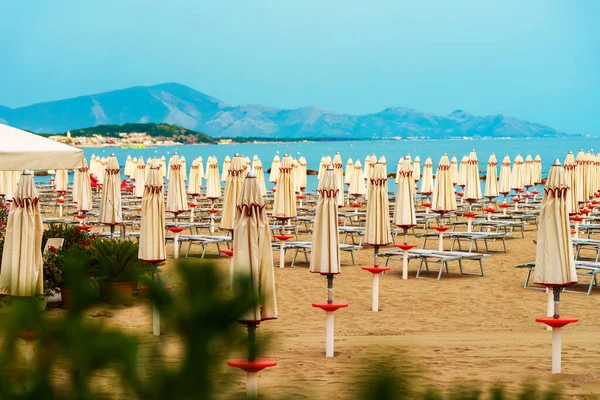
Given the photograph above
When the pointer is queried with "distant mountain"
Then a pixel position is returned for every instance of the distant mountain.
(158, 131)
(177, 104)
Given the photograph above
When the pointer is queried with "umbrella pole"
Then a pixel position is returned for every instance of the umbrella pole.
(330, 288)
(375, 293)
(329, 319)
(155, 313)
(550, 308)
(251, 376)
(556, 337)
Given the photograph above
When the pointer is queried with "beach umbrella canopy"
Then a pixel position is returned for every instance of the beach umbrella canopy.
(201, 172)
(528, 172)
(163, 170)
(23, 150)
(149, 163)
(537, 170)
(504, 183)
(110, 202)
(257, 169)
(357, 185)
(325, 250)
(404, 210)
(22, 264)
(416, 166)
(253, 257)
(349, 171)
(378, 231)
(183, 163)
(338, 167)
(554, 258)
(453, 170)
(398, 168)
(233, 188)
(302, 172)
(372, 162)
(152, 232)
(213, 179)
(10, 181)
(367, 168)
(176, 194)
(589, 177)
(427, 178)
(491, 180)
(284, 205)
(127, 169)
(295, 172)
(580, 176)
(274, 169)
(225, 168)
(517, 174)
(83, 195)
(140, 177)
(472, 184)
(325, 162)
(194, 182)
(443, 192)
(571, 177)
(462, 171)
(61, 180)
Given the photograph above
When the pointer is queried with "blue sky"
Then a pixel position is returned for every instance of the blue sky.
(533, 59)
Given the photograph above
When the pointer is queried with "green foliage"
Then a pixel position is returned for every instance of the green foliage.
(4, 209)
(72, 235)
(152, 130)
(117, 260)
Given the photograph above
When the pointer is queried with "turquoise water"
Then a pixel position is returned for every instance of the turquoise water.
(548, 149)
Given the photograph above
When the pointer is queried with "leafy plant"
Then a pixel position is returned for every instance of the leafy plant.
(53, 275)
(4, 209)
(116, 260)
(72, 235)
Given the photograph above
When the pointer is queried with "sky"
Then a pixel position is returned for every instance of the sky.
(535, 59)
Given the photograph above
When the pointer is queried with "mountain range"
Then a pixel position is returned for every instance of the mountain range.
(178, 104)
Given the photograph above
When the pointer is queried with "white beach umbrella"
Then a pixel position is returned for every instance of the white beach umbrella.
(149, 163)
(213, 181)
(404, 209)
(398, 168)
(233, 188)
(194, 182)
(505, 181)
(472, 183)
(357, 185)
(537, 170)
(462, 171)
(444, 200)
(580, 177)
(517, 174)
(139, 175)
(302, 172)
(284, 205)
(338, 167)
(183, 163)
(571, 177)
(349, 171)
(163, 170)
(61, 180)
(372, 162)
(176, 194)
(528, 172)
(416, 165)
(253, 258)
(10, 182)
(367, 169)
(127, 169)
(454, 171)
(274, 169)
(554, 261)
(491, 181)
(201, 172)
(152, 232)
(589, 176)
(427, 178)
(110, 202)
(378, 231)
(22, 264)
(295, 175)
(83, 195)
(257, 169)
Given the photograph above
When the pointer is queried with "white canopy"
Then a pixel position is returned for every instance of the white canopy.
(20, 150)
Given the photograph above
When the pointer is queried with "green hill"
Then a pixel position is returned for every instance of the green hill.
(159, 131)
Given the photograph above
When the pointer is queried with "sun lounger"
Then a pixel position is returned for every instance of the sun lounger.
(474, 237)
(305, 247)
(204, 241)
(584, 268)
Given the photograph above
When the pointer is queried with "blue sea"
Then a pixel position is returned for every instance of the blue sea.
(548, 149)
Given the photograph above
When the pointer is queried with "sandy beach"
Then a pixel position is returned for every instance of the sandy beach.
(458, 329)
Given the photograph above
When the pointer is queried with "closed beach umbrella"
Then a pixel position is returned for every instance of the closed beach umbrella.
(416, 165)
(176, 194)
(83, 195)
(427, 178)
(349, 171)
(152, 232)
(589, 176)
(233, 188)
(302, 172)
(257, 169)
(213, 179)
(295, 175)
(505, 180)
(462, 171)
(371, 169)
(491, 181)
(404, 210)
(472, 184)
(163, 167)
(201, 172)
(367, 169)
(378, 231)
(398, 168)
(517, 174)
(110, 203)
(454, 170)
(274, 169)
(149, 163)
(324, 163)
(225, 169)
(357, 185)
(61, 180)
(537, 170)
(253, 258)
(571, 177)
(443, 193)
(183, 163)
(193, 182)
(22, 265)
(284, 205)
(338, 167)
(580, 176)
(140, 177)
(528, 172)
(127, 169)
(325, 252)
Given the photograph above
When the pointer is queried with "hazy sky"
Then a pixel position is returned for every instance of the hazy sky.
(534, 59)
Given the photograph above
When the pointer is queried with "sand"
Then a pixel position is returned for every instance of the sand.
(458, 329)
